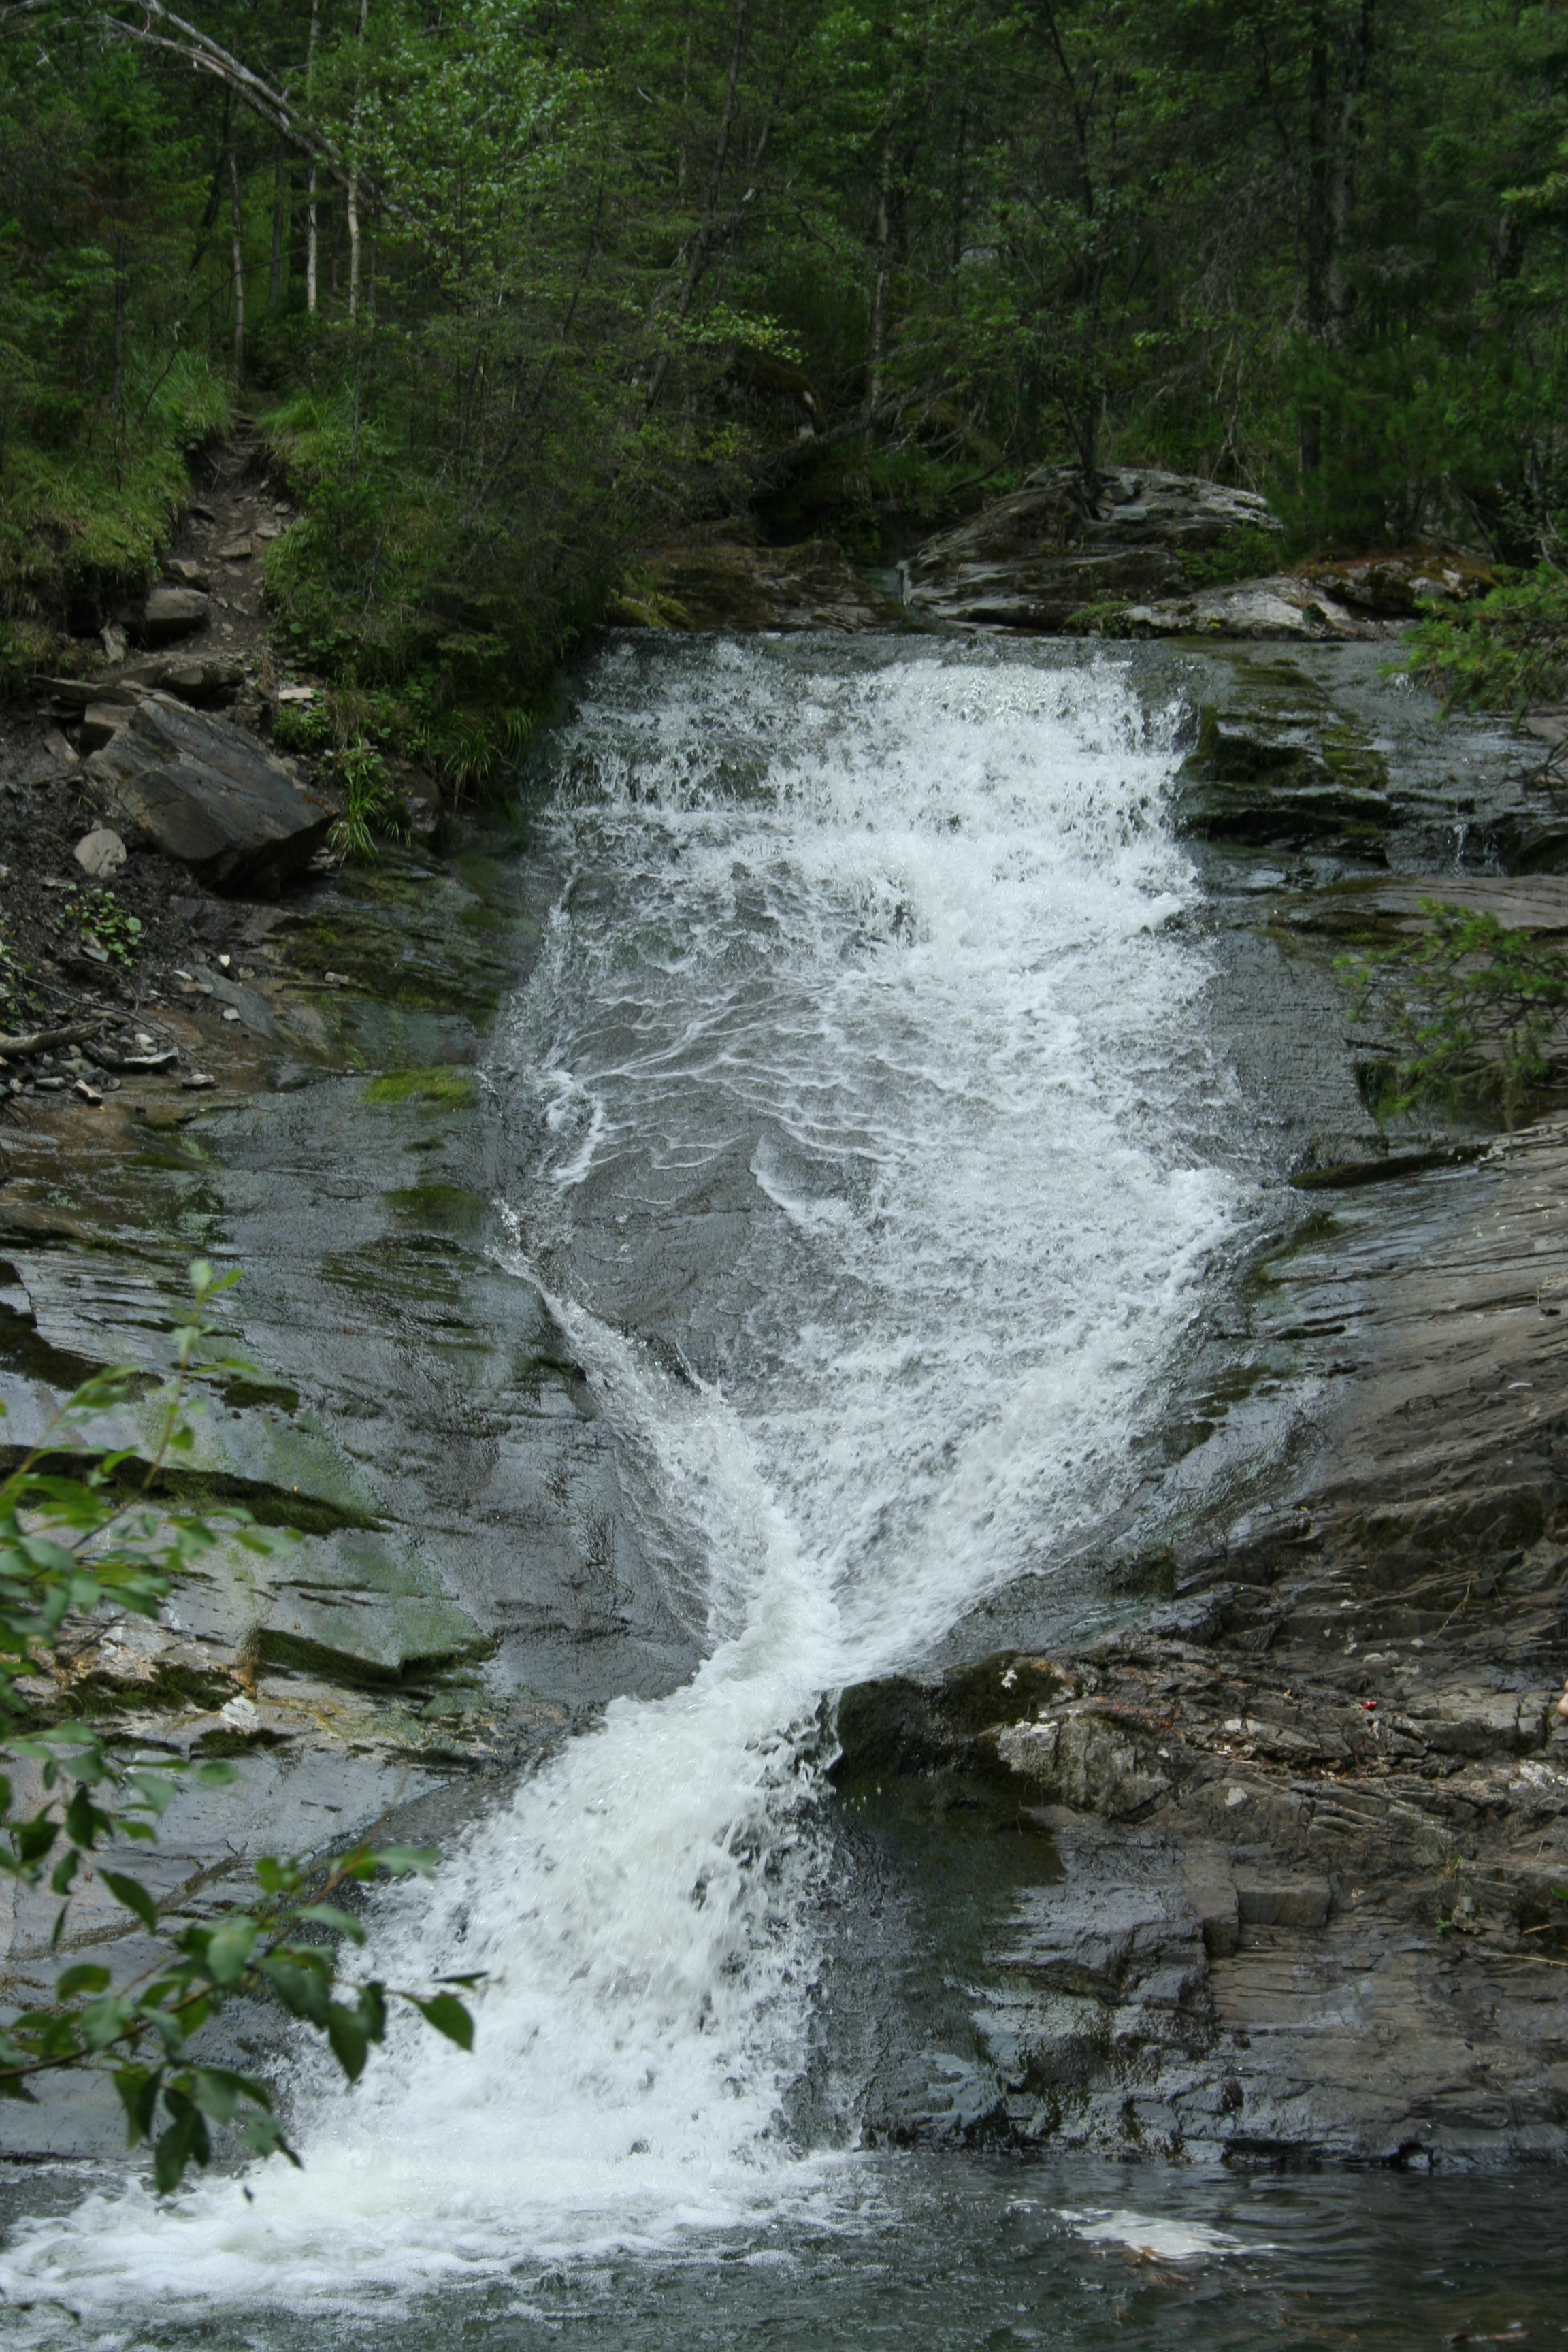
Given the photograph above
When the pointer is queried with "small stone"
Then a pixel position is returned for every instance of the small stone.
(198, 1082)
(143, 1040)
(88, 1094)
(100, 852)
(238, 551)
(223, 963)
(188, 574)
(56, 747)
(113, 637)
(229, 1013)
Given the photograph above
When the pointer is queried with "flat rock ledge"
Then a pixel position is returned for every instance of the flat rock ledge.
(1304, 1830)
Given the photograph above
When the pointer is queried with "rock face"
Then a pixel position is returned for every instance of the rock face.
(170, 612)
(730, 584)
(1037, 559)
(1292, 1845)
(1284, 604)
(206, 793)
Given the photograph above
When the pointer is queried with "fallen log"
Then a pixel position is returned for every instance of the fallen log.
(44, 1041)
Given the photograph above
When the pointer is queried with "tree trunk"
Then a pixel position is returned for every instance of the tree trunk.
(884, 273)
(279, 207)
(1352, 96)
(1318, 226)
(702, 244)
(236, 220)
(311, 250)
(353, 172)
(117, 393)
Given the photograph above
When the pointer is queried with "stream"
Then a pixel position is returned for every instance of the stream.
(859, 1124)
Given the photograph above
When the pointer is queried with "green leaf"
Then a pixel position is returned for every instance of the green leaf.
(186, 2138)
(228, 1948)
(301, 1991)
(349, 2040)
(132, 1894)
(86, 1977)
(63, 1873)
(445, 2012)
(85, 1821)
(218, 2091)
(262, 2134)
(155, 1791)
(34, 1838)
(103, 2022)
(138, 2088)
(402, 1858)
(327, 1915)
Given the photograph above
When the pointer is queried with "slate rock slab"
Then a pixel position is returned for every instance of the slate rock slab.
(205, 793)
(1038, 558)
(169, 613)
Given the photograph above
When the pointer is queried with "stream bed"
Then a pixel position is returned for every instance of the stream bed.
(868, 1125)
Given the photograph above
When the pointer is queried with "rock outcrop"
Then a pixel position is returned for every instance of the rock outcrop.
(208, 793)
(1290, 1881)
(1043, 557)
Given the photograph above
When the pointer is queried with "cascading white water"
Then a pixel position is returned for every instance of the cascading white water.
(887, 928)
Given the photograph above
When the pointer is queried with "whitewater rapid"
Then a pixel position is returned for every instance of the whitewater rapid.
(883, 943)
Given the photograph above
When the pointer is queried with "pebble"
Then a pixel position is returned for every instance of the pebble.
(100, 852)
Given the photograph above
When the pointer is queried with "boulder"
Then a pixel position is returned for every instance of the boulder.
(170, 612)
(1042, 557)
(205, 679)
(206, 793)
(1283, 605)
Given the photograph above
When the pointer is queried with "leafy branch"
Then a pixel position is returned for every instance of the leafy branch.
(1479, 1011)
(68, 1547)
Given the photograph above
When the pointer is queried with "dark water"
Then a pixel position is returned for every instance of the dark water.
(963, 2254)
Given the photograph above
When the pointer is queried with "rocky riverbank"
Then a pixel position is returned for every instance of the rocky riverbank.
(1261, 1860)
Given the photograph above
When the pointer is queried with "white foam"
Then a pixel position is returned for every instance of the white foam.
(1160, 2237)
(895, 932)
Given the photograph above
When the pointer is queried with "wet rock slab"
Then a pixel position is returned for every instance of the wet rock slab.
(1307, 1816)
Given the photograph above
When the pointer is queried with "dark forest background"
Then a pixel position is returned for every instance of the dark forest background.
(511, 292)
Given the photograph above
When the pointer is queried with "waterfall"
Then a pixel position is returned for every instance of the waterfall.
(859, 1067)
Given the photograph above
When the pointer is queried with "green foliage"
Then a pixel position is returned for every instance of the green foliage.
(1504, 652)
(372, 805)
(103, 923)
(1478, 1010)
(632, 265)
(71, 1544)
